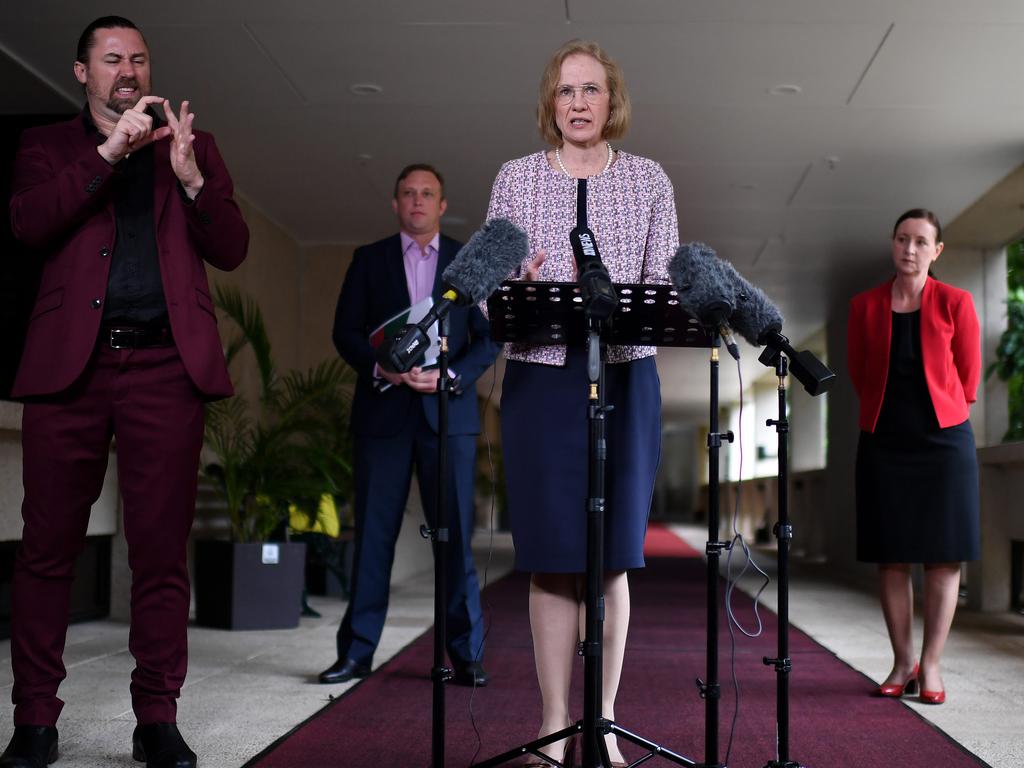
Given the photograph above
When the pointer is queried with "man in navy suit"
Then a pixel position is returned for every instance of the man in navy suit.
(394, 420)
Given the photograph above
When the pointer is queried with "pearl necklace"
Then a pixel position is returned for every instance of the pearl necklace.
(607, 165)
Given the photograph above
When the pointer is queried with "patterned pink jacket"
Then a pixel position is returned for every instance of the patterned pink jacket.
(630, 208)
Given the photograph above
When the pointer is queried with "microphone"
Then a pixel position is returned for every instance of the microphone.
(599, 297)
(712, 290)
(477, 270)
(755, 316)
(705, 289)
(491, 255)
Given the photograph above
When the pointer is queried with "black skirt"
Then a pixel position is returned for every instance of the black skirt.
(917, 483)
(917, 497)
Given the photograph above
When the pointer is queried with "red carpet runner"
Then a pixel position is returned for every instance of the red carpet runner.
(835, 721)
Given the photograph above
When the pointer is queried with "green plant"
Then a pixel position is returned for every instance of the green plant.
(1009, 364)
(291, 446)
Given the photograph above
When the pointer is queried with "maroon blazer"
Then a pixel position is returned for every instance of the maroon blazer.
(950, 350)
(61, 206)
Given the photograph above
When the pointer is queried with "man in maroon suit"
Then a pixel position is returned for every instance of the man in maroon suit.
(124, 203)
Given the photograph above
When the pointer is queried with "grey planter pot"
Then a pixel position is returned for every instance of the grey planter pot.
(248, 586)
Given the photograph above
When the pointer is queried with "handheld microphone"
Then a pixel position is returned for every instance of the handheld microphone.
(816, 377)
(599, 297)
(492, 253)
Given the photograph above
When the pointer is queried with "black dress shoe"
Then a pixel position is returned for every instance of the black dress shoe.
(471, 674)
(32, 746)
(160, 745)
(342, 671)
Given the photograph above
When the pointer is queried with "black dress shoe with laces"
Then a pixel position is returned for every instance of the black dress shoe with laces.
(342, 671)
(32, 746)
(471, 674)
(160, 745)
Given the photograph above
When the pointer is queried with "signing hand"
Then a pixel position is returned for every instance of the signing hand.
(183, 158)
(533, 268)
(133, 131)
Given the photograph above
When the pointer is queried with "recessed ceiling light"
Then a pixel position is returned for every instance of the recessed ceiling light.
(366, 89)
(785, 90)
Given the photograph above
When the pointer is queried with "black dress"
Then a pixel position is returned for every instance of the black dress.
(917, 483)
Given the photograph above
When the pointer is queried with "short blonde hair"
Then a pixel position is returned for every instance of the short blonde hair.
(618, 98)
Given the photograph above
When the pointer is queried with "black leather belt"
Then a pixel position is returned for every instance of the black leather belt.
(127, 337)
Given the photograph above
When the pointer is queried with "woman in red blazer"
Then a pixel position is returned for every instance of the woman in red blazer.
(914, 358)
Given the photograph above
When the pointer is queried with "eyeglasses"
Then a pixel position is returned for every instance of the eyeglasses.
(565, 94)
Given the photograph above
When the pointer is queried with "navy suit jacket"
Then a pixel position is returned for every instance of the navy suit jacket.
(374, 290)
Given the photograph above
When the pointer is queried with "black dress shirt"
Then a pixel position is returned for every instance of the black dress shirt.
(135, 292)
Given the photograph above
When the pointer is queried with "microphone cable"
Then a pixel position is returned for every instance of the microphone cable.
(732, 621)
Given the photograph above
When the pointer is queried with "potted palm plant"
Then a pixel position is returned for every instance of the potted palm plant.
(285, 450)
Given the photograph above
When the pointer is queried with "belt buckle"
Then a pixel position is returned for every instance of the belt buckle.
(127, 335)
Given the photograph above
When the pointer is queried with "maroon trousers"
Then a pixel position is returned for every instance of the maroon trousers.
(146, 400)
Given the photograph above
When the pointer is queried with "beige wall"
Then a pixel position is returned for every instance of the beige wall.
(322, 270)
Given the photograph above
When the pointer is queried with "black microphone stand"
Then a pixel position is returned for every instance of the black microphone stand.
(710, 690)
(440, 673)
(817, 379)
(784, 533)
(594, 726)
(403, 352)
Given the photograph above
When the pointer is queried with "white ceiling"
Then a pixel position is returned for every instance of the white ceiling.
(902, 103)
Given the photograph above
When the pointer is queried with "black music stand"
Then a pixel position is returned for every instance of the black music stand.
(553, 313)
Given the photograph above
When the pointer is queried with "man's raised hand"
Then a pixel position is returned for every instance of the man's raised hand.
(133, 131)
(183, 158)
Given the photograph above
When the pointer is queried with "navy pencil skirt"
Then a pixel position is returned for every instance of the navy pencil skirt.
(545, 438)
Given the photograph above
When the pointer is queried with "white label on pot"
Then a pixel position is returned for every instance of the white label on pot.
(271, 554)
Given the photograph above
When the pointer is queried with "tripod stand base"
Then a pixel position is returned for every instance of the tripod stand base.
(604, 727)
(786, 764)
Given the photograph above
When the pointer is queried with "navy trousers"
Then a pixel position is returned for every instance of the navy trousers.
(383, 469)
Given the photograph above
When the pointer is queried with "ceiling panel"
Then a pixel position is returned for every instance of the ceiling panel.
(963, 66)
(714, 63)
(795, 11)
(26, 94)
(739, 187)
(413, 64)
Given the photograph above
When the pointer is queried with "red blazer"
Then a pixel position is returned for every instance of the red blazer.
(61, 207)
(950, 350)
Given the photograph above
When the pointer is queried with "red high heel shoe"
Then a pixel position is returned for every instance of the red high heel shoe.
(908, 686)
(932, 697)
